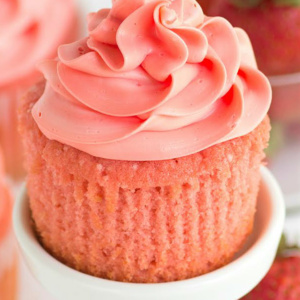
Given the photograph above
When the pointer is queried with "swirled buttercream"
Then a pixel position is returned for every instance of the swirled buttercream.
(31, 30)
(154, 80)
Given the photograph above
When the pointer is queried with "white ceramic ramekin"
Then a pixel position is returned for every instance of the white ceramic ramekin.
(228, 283)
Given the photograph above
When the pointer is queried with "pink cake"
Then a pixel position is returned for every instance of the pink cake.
(27, 35)
(8, 269)
(146, 167)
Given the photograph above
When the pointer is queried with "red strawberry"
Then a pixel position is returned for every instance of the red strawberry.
(281, 283)
(283, 280)
(274, 28)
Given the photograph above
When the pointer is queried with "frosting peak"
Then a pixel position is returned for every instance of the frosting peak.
(165, 32)
(155, 79)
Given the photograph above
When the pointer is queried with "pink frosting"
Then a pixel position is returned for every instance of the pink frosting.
(31, 30)
(154, 80)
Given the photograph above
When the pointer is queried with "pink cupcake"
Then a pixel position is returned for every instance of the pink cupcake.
(8, 268)
(144, 147)
(29, 31)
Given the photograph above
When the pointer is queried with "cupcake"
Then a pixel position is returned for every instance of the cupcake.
(8, 269)
(144, 143)
(27, 35)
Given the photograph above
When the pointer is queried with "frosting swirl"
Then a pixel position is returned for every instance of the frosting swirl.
(27, 35)
(154, 80)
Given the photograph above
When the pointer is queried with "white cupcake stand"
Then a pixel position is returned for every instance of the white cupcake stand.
(228, 283)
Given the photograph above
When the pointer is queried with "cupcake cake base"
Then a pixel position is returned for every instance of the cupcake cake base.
(142, 221)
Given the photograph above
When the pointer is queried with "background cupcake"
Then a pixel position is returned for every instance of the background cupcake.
(273, 28)
(8, 256)
(143, 149)
(29, 31)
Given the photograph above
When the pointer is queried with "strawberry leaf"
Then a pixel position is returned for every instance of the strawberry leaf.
(287, 2)
(246, 3)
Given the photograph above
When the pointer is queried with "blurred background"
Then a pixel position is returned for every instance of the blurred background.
(25, 25)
